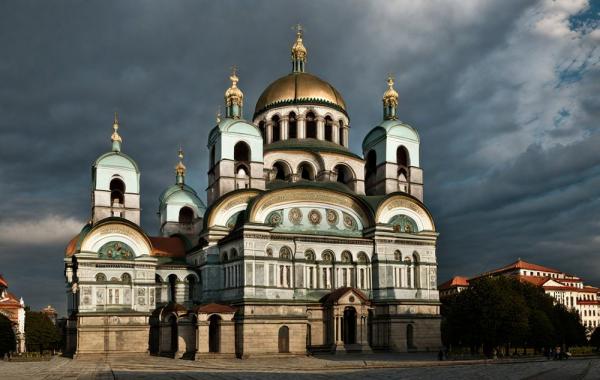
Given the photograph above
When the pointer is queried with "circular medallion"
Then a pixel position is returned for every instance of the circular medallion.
(332, 217)
(295, 215)
(351, 299)
(348, 221)
(274, 219)
(314, 216)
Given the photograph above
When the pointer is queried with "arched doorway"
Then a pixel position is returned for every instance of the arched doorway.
(349, 333)
(284, 339)
(410, 336)
(174, 332)
(117, 192)
(214, 333)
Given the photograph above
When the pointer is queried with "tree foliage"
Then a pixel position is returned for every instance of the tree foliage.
(595, 338)
(505, 312)
(8, 340)
(40, 332)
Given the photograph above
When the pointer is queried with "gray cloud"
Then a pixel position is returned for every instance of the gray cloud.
(504, 96)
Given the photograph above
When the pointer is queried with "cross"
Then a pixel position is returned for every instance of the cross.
(234, 70)
(299, 29)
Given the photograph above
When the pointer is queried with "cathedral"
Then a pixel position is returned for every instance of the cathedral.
(302, 246)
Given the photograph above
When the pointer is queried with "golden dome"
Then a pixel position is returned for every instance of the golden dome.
(299, 88)
(234, 95)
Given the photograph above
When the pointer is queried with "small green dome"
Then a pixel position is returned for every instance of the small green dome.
(234, 127)
(117, 159)
(392, 128)
(181, 194)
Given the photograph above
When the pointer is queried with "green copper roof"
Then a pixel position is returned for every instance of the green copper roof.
(181, 193)
(118, 159)
(310, 144)
(395, 128)
(234, 126)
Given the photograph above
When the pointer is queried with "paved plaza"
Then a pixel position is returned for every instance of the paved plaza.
(347, 367)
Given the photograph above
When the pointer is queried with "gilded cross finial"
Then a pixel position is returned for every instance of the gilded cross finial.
(180, 167)
(115, 137)
(299, 29)
(390, 80)
(218, 114)
(299, 52)
(234, 78)
(390, 100)
(233, 95)
(180, 153)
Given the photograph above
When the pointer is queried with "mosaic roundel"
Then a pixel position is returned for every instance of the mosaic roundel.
(349, 222)
(314, 216)
(332, 217)
(275, 218)
(295, 215)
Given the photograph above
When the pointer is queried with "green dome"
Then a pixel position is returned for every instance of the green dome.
(117, 159)
(392, 128)
(181, 194)
(236, 127)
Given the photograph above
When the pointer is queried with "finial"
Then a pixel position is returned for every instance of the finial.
(180, 167)
(218, 114)
(115, 137)
(390, 100)
(234, 97)
(299, 52)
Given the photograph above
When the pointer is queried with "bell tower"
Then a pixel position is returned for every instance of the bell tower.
(391, 152)
(235, 147)
(115, 183)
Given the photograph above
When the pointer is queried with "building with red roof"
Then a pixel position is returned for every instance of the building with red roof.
(565, 288)
(14, 309)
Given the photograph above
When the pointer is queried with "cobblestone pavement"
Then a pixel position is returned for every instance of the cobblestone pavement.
(313, 368)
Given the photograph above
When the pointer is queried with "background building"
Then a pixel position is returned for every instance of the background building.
(304, 245)
(566, 289)
(14, 309)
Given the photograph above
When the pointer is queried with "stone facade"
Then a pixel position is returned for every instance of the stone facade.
(305, 246)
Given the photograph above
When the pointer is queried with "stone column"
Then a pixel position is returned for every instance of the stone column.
(335, 133)
(345, 137)
(320, 128)
(269, 128)
(285, 127)
(301, 126)
(180, 292)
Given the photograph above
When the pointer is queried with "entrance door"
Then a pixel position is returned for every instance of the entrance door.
(214, 333)
(349, 325)
(284, 339)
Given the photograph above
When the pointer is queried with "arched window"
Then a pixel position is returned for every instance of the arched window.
(117, 192)
(191, 283)
(126, 278)
(402, 159)
(292, 126)
(172, 288)
(276, 128)
(311, 126)
(285, 253)
(282, 171)
(309, 255)
(327, 257)
(397, 256)
(344, 175)
(186, 215)
(363, 258)
(409, 272)
(306, 172)
(346, 257)
(263, 133)
(341, 132)
(328, 128)
(100, 277)
(416, 276)
(241, 152)
(284, 339)
(370, 171)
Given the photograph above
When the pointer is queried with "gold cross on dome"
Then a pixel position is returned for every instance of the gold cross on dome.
(234, 70)
(299, 29)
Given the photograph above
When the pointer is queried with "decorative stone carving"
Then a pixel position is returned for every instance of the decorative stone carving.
(332, 217)
(116, 250)
(295, 216)
(314, 217)
(275, 218)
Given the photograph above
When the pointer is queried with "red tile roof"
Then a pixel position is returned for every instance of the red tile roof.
(534, 280)
(214, 308)
(520, 264)
(3, 282)
(454, 282)
(10, 300)
(167, 246)
(339, 293)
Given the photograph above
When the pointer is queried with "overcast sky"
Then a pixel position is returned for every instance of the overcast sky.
(504, 95)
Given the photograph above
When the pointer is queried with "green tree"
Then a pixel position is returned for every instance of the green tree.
(8, 340)
(595, 338)
(40, 332)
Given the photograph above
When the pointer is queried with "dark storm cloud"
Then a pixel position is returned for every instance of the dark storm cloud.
(477, 79)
